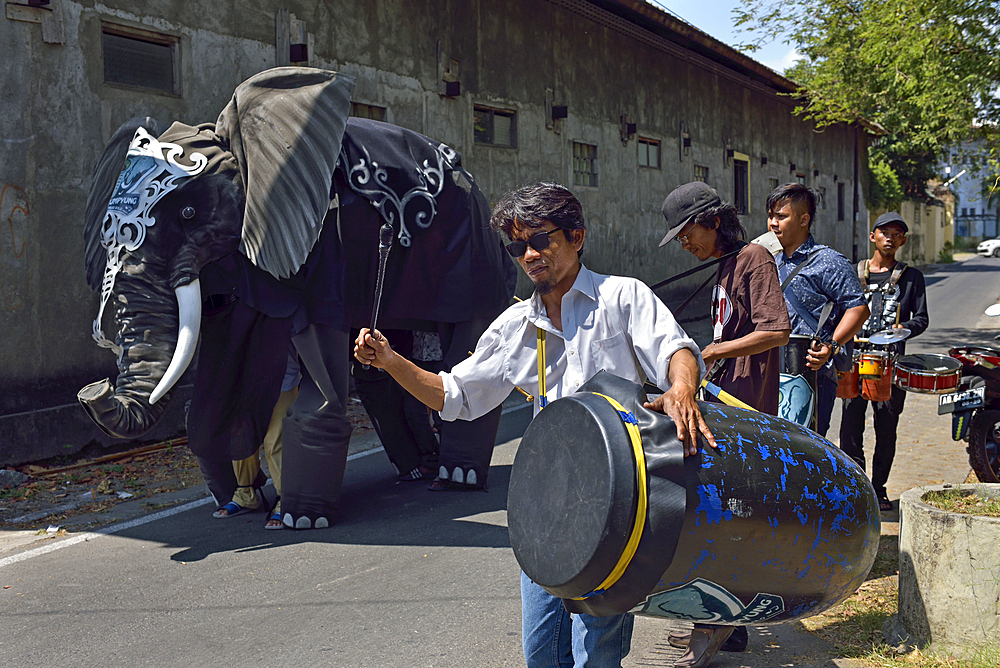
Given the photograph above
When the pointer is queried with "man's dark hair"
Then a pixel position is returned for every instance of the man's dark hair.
(729, 231)
(531, 206)
(796, 193)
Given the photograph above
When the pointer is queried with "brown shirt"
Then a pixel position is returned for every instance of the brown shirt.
(747, 299)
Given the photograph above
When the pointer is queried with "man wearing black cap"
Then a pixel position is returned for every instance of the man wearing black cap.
(897, 299)
(749, 318)
(749, 322)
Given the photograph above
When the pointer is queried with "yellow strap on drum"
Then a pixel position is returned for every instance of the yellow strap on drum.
(632, 426)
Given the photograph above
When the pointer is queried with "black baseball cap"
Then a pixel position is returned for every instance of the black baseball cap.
(890, 217)
(684, 203)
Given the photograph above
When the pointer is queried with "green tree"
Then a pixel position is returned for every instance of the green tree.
(884, 191)
(927, 71)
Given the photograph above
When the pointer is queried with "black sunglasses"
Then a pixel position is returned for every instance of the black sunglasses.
(539, 242)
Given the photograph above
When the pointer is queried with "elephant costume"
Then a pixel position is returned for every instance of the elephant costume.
(259, 232)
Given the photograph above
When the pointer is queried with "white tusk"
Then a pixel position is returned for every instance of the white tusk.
(188, 329)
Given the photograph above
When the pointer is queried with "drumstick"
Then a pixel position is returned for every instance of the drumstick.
(898, 307)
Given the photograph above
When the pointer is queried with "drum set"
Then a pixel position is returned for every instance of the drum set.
(875, 371)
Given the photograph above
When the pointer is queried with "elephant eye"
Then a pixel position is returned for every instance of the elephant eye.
(187, 213)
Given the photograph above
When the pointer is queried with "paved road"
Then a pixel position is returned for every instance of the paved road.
(405, 578)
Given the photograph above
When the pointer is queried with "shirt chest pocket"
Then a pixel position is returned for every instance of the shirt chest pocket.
(614, 355)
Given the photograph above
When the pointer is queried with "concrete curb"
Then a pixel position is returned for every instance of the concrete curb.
(949, 574)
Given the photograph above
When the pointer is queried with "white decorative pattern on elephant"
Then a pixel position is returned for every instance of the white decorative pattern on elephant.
(239, 213)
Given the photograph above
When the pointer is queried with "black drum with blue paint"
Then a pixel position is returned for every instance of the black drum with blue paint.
(776, 525)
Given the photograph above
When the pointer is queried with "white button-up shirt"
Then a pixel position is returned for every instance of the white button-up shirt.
(610, 323)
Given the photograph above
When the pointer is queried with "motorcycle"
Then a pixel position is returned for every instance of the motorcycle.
(975, 406)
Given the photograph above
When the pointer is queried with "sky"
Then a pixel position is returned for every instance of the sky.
(715, 17)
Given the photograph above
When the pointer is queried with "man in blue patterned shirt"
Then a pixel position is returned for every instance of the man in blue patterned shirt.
(827, 276)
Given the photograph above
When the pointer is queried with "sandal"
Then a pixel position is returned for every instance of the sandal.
(232, 510)
(703, 646)
(276, 517)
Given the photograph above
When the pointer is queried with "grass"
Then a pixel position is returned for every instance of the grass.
(854, 627)
(964, 500)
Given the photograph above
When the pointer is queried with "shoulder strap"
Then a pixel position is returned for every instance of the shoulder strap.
(808, 260)
(863, 272)
(897, 271)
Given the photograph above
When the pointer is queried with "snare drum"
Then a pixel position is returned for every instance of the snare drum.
(927, 373)
(874, 364)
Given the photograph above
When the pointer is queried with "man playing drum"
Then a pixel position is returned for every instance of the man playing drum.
(825, 276)
(749, 322)
(575, 324)
(897, 299)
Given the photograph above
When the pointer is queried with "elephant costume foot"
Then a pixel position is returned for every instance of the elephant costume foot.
(467, 448)
(316, 432)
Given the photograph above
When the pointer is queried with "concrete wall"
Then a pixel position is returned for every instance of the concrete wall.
(518, 55)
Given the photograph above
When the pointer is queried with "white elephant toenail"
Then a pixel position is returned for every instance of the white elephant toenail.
(303, 523)
(471, 478)
(458, 475)
(288, 521)
(321, 523)
(443, 473)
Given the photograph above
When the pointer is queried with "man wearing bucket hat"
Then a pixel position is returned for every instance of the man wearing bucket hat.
(749, 323)
(575, 324)
(897, 300)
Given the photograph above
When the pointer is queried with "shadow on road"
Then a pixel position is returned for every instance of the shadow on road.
(375, 509)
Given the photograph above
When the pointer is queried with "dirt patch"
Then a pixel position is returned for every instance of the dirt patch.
(99, 479)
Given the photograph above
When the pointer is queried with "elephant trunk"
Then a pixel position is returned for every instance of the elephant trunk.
(153, 356)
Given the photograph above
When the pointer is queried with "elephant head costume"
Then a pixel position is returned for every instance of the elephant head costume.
(260, 232)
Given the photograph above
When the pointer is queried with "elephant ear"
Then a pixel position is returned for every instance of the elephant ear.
(106, 173)
(284, 126)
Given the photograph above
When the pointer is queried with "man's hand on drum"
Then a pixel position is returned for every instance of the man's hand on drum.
(679, 403)
(372, 348)
(817, 355)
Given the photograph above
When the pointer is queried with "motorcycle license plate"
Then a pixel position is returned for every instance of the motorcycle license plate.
(962, 401)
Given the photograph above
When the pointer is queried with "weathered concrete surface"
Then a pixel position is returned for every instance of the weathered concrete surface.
(519, 56)
(949, 573)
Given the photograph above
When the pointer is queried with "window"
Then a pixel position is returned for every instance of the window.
(772, 185)
(649, 153)
(369, 111)
(138, 58)
(701, 173)
(495, 127)
(741, 186)
(800, 178)
(965, 211)
(584, 164)
(840, 202)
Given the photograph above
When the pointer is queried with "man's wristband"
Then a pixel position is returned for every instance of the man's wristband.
(835, 348)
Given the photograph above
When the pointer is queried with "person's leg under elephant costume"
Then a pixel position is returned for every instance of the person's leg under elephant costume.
(466, 445)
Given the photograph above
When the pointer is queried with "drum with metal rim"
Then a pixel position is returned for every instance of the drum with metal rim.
(848, 382)
(927, 373)
(874, 364)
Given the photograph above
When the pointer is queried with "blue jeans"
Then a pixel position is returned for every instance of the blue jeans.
(554, 639)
